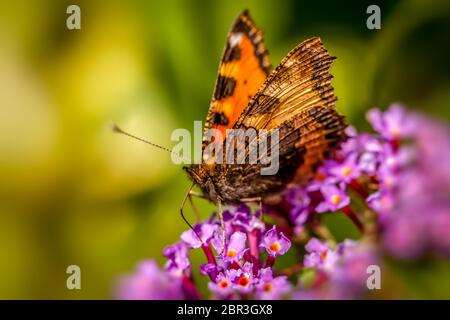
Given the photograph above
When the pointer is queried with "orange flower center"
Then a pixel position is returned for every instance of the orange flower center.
(243, 281)
(275, 247)
(223, 283)
(267, 287)
(323, 255)
(335, 199)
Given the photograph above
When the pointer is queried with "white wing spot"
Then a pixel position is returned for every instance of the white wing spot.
(235, 39)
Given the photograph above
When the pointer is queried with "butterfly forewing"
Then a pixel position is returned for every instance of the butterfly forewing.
(243, 69)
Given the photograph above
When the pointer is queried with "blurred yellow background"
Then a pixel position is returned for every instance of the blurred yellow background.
(72, 192)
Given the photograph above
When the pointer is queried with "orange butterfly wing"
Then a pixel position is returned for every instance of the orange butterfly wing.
(243, 69)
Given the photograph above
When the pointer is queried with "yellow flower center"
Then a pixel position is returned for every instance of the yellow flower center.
(231, 253)
(275, 247)
(335, 199)
(346, 171)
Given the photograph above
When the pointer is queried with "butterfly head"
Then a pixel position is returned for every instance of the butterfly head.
(200, 175)
(197, 174)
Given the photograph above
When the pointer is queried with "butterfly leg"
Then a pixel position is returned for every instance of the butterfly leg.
(222, 225)
(182, 213)
(192, 194)
(197, 194)
(196, 213)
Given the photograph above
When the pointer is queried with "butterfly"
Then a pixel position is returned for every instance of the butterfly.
(296, 98)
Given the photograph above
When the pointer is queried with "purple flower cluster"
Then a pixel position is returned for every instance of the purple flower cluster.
(402, 173)
(416, 207)
(236, 271)
(393, 184)
(341, 270)
(149, 282)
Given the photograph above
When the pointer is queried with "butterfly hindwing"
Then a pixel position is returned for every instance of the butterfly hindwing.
(304, 142)
(243, 69)
(298, 100)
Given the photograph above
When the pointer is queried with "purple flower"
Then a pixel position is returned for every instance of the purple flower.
(345, 171)
(270, 288)
(393, 123)
(368, 162)
(178, 260)
(382, 202)
(300, 201)
(343, 269)
(234, 281)
(223, 285)
(211, 270)
(236, 246)
(242, 220)
(275, 243)
(243, 278)
(205, 231)
(388, 179)
(371, 152)
(148, 282)
(334, 198)
(319, 255)
(351, 144)
(320, 178)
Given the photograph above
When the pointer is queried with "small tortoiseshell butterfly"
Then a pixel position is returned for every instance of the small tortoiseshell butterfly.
(296, 98)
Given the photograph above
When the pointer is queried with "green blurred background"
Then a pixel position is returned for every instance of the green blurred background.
(71, 192)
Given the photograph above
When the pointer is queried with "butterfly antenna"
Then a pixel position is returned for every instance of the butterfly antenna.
(117, 129)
